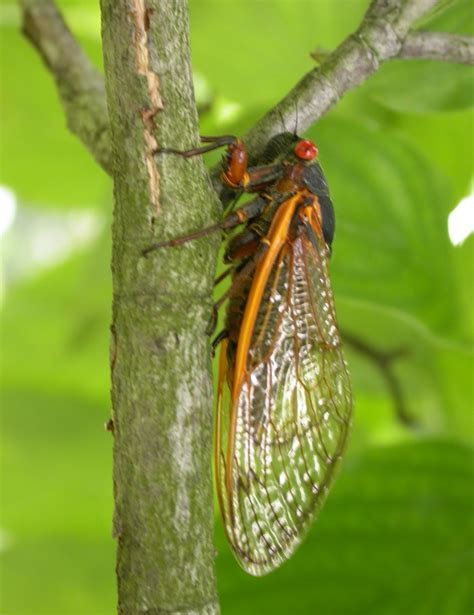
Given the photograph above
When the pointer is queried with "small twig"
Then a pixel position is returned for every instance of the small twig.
(384, 361)
(439, 46)
(109, 426)
(320, 55)
(421, 45)
(81, 86)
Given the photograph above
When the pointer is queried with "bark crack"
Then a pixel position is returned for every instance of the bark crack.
(142, 17)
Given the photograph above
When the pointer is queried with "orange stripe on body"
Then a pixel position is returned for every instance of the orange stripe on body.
(222, 377)
(276, 238)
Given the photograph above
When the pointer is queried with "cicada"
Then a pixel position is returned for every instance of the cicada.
(284, 394)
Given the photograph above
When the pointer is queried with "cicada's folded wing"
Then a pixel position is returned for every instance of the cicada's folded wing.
(280, 437)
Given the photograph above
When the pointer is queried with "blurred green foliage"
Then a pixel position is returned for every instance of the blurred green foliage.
(395, 535)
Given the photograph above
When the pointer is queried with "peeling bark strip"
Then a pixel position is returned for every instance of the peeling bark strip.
(142, 23)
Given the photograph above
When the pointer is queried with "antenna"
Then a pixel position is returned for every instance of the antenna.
(296, 120)
(282, 120)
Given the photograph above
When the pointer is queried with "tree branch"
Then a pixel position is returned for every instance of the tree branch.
(80, 85)
(379, 38)
(384, 360)
(440, 46)
(383, 34)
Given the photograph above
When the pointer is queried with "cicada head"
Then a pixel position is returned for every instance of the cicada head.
(288, 145)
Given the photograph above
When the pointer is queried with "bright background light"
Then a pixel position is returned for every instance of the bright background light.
(7, 209)
(33, 238)
(461, 220)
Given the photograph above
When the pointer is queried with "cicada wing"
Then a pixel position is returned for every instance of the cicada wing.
(291, 415)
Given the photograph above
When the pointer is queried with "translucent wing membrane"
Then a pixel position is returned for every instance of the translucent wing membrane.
(280, 438)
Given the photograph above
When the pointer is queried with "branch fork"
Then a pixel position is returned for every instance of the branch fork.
(385, 33)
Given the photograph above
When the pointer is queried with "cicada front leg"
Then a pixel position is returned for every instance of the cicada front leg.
(236, 173)
(250, 210)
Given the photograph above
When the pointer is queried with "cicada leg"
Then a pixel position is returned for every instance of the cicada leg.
(223, 335)
(236, 283)
(248, 211)
(235, 173)
(223, 275)
(215, 143)
(242, 245)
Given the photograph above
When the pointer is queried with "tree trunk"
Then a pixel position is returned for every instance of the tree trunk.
(160, 358)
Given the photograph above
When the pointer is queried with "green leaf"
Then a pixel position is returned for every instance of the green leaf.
(423, 86)
(464, 263)
(64, 574)
(434, 375)
(445, 139)
(56, 450)
(394, 537)
(454, 16)
(56, 505)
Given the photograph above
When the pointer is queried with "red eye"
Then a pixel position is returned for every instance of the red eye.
(306, 149)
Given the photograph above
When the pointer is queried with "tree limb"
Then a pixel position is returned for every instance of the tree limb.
(379, 38)
(440, 46)
(384, 360)
(160, 359)
(383, 34)
(81, 86)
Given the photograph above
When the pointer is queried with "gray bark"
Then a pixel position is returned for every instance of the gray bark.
(384, 33)
(161, 380)
(440, 46)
